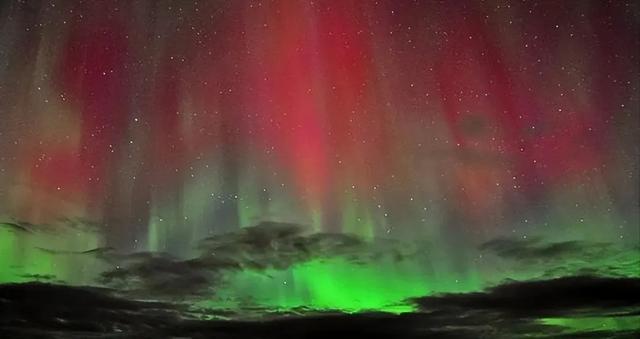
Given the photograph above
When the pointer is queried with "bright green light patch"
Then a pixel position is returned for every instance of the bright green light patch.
(340, 284)
(328, 284)
(591, 324)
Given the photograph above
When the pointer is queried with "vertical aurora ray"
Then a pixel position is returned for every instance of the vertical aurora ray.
(440, 125)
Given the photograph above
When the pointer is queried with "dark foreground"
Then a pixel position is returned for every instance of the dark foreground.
(571, 307)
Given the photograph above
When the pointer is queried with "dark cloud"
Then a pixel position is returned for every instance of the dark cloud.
(98, 251)
(160, 275)
(81, 224)
(536, 249)
(56, 227)
(515, 309)
(275, 245)
(554, 259)
(511, 310)
(39, 277)
(18, 226)
(267, 245)
(553, 297)
(45, 310)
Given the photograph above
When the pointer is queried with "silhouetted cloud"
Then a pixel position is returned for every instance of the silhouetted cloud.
(552, 297)
(268, 245)
(39, 277)
(18, 226)
(45, 310)
(98, 251)
(574, 257)
(535, 248)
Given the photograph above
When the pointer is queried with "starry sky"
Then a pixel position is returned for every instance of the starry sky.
(426, 145)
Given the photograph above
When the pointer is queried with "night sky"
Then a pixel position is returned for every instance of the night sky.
(242, 159)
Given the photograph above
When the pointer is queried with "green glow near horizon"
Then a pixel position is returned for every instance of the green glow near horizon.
(339, 284)
(23, 258)
(333, 284)
(8, 246)
(594, 323)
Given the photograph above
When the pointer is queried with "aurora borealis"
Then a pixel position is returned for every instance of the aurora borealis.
(255, 159)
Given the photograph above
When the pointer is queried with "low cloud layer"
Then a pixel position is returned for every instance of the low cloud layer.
(265, 246)
(536, 249)
(554, 297)
(554, 259)
(511, 310)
